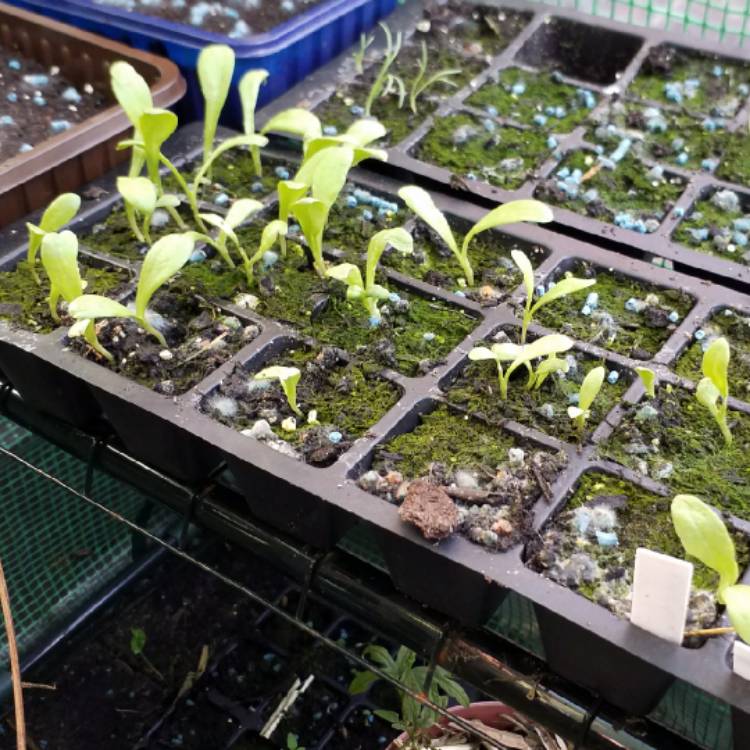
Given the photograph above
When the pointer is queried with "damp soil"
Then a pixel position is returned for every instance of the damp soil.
(622, 196)
(735, 166)
(34, 97)
(476, 390)
(676, 441)
(493, 477)
(199, 336)
(735, 326)
(590, 546)
(503, 156)
(347, 398)
(23, 301)
(538, 100)
(638, 333)
(719, 80)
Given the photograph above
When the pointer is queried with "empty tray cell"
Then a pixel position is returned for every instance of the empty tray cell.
(476, 389)
(735, 327)
(659, 134)
(495, 274)
(589, 53)
(698, 81)
(456, 473)
(590, 546)
(459, 36)
(675, 440)
(629, 316)
(481, 149)
(735, 163)
(337, 401)
(718, 224)
(617, 188)
(539, 100)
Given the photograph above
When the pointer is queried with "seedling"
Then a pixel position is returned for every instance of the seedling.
(368, 292)
(240, 211)
(137, 646)
(365, 41)
(165, 258)
(392, 49)
(420, 84)
(215, 69)
(249, 89)
(590, 388)
(564, 287)
(421, 203)
(415, 718)
(288, 377)
(713, 390)
(61, 211)
(273, 232)
(395, 84)
(648, 378)
(705, 537)
(517, 355)
(133, 94)
(140, 197)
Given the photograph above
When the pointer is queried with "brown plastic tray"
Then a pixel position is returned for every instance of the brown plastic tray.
(67, 161)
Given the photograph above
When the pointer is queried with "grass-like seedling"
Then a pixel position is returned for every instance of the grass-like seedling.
(367, 291)
(713, 389)
(422, 83)
(141, 198)
(365, 42)
(392, 50)
(590, 388)
(705, 537)
(60, 212)
(165, 258)
(648, 378)
(288, 378)
(415, 718)
(240, 211)
(564, 287)
(421, 203)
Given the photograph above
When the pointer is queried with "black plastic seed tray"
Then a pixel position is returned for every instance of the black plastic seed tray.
(583, 641)
(604, 58)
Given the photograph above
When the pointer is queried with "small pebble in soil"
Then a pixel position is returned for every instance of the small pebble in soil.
(282, 173)
(699, 335)
(726, 200)
(330, 130)
(428, 336)
(166, 355)
(335, 437)
(221, 199)
(516, 457)
(289, 424)
(257, 187)
(198, 256)
(159, 218)
(551, 142)
(367, 215)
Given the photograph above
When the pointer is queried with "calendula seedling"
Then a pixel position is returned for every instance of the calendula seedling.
(165, 258)
(517, 355)
(367, 291)
(705, 537)
(249, 89)
(240, 211)
(590, 388)
(648, 378)
(713, 390)
(564, 287)
(421, 203)
(420, 84)
(547, 367)
(60, 212)
(365, 41)
(392, 50)
(288, 378)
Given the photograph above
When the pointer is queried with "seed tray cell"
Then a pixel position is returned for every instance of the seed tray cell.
(318, 505)
(523, 152)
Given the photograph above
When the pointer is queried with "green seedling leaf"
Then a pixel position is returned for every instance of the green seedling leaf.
(289, 193)
(296, 121)
(547, 367)
(215, 70)
(524, 265)
(329, 178)
(168, 200)
(251, 140)
(347, 273)
(249, 89)
(131, 91)
(312, 215)
(391, 53)
(590, 387)
(358, 136)
(716, 365)
(555, 343)
(139, 192)
(421, 203)
(505, 352)
(85, 327)
(737, 599)
(59, 212)
(288, 377)
(93, 306)
(241, 210)
(137, 640)
(60, 261)
(708, 395)
(397, 238)
(564, 287)
(648, 378)
(705, 537)
(156, 126)
(510, 213)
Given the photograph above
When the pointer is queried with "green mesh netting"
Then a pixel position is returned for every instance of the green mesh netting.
(57, 551)
(712, 20)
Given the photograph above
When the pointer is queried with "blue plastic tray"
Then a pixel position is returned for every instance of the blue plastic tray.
(289, 52)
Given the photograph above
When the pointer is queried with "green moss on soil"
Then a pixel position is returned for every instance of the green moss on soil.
(633, 332)
(477, 390)
(735, 165)
(482, 153)
(23, 302)
(542, 91)
(451, 439)
(704, 214)
(736, 328)
(114, 237)
(624, 189)
(713, 90)
(688, 438)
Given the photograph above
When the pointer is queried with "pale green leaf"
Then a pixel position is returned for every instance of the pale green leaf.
(547, 367)
(574, 412)
(524, 265)
(506, 352)
(60, 261)
(378, 292)
(139, 192)
(312, 215)
(168, 200)
(421, 203)
(289, 192)
(215, 69)
(249, 88)
(716, 365)
(92, 306)
(510, 213)
(365, 131)
(235, 142)
(555, 343)
(288, 377)
(479, 353)
(348, 273)
(296, 121)
(564, 287)
(705, 537)
(329, 178)
(708, 395)
(156, 126)
(397, 238)
(590, 387)
(78, 328)
(131, 91)
(737, 599)
(165, 258)
(271, 233)
(220, 223)
(648, 378)
(60, 212)
(241, 210)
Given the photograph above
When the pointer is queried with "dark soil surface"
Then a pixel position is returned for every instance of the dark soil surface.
(39, 103)
(234, 18)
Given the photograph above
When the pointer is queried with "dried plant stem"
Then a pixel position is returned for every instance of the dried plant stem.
(15, 667)
(707, 632)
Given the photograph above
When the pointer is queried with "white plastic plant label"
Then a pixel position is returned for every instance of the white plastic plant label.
(741, 660)
(661, 593)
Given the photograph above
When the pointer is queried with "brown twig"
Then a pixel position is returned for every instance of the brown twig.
(707, 632)
(15, 666)
(37, 686)
(592, 172)
(542, 482)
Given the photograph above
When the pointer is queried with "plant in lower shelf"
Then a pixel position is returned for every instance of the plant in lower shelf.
(421, 203)
(367, 291)
(713, 390)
